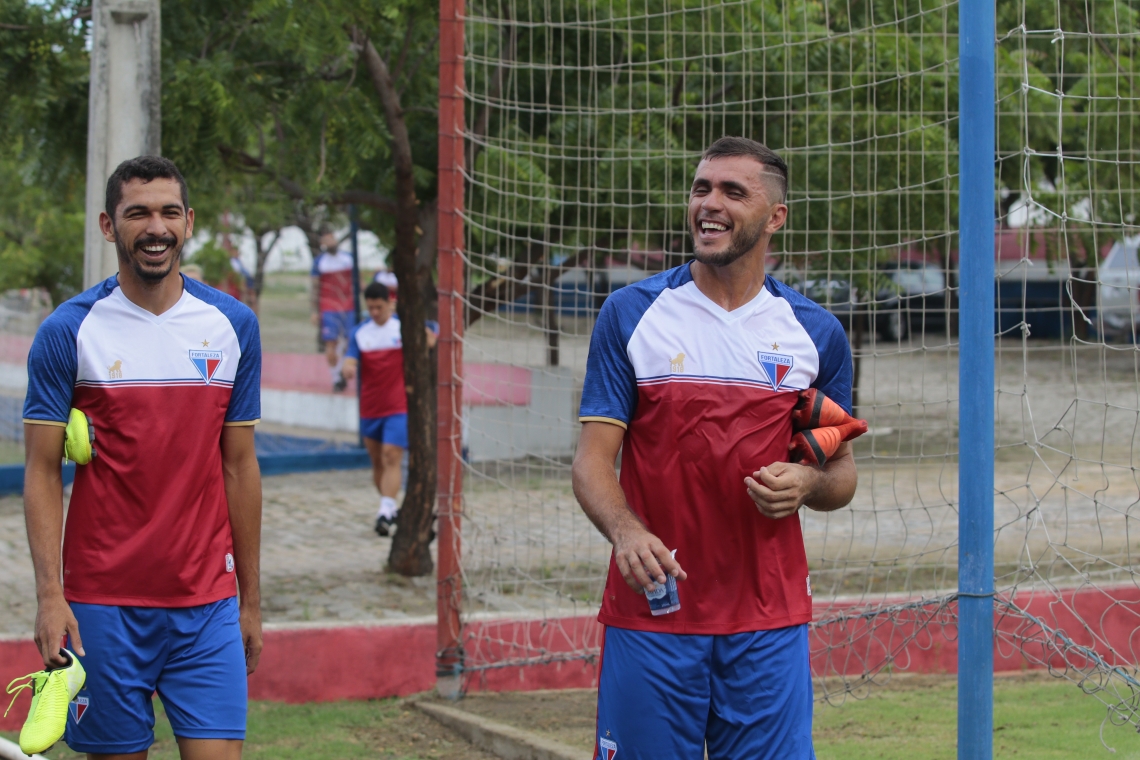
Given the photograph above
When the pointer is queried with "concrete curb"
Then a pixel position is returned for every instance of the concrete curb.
(11, 751)
(505, 741)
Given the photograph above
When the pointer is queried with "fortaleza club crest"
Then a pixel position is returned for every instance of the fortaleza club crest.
(775, 368)
(78, 707)
(609, 749)
(206, 362)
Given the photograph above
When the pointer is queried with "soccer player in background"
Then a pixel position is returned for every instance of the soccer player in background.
(163, 527)
(387, 278)
(692, 376)
(375, 348)
(332, 301)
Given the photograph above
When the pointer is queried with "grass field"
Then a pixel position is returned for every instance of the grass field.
(914, 718)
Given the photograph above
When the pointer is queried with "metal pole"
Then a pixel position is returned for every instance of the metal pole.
(353, 229)
(976, 379)
(449, 652)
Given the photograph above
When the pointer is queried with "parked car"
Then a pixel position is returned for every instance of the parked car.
(913, 297)
(1118, 291)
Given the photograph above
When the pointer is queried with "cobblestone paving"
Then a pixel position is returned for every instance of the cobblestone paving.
(320, 559)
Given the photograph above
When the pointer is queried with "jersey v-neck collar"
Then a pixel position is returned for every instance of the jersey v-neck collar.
(739, 312)
(154, 319)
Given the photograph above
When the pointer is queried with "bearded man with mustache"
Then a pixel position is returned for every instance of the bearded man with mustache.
(164, 523)
(692, 376)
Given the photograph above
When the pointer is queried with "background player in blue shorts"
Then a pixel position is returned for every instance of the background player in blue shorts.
(692, 376)
(376, 350)
(334, 302)
(164, 524)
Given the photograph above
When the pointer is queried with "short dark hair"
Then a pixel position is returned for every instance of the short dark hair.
(377, 290)
(146, 168)
(741, 146)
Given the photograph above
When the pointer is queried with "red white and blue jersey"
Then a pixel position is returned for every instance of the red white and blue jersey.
(334, 276)
(380, 351)
(148, 524)
(706, 397)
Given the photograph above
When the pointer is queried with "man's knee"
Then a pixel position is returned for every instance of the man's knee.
(391, 456)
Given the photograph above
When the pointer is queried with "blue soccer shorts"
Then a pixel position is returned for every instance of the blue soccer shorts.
(334, 324)
(664, 695)
(392, 429)
(192, 656)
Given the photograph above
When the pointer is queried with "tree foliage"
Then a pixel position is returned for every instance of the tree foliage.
(43, 144)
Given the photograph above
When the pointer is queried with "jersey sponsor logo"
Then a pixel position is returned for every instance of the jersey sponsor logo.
(78, 707)
(609, 749)
(775, 368)
(677, 364)
(115, 371)
(206, 362)
(230, 565)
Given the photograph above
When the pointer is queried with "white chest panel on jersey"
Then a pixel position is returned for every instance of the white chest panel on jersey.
(119, 343)
(374, 337)
(328, 263)
(684, 336)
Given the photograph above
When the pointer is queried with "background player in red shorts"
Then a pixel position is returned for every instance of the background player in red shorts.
(376, 349)
(167, 516)
(692, 376)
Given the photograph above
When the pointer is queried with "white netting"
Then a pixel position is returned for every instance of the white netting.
(584, 124)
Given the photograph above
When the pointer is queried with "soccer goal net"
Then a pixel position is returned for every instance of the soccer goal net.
(584, 123)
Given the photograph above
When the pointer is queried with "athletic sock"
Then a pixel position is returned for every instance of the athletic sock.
(334, 373)
(387, 508)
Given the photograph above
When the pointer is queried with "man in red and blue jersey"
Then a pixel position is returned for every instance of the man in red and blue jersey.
(334, 303)
(692, 376)
(376, 349)
(163, 527)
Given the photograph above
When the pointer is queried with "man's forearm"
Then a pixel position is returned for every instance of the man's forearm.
(43, 515)
(243, 492)
(835, 487)
(599, 492)
(43, 505)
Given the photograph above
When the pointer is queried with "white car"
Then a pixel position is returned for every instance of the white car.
(1118, 291)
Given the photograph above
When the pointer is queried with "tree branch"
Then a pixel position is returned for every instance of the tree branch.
(403, 57)
(297, 191)
(423, 54)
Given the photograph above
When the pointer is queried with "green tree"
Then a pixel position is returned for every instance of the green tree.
(289, 111)
(43, 144)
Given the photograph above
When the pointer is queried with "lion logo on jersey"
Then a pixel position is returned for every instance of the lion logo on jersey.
(115, 371)
(677, 364)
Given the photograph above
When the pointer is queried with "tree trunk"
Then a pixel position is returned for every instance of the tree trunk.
(410, 555)
(548, 303)
(259, 268)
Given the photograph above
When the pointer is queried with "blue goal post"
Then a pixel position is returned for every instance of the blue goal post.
(976, 161)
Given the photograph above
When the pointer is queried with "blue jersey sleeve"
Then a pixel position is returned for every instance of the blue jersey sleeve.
(835, 372)
(352, 350)
(316, 272)
(609, 392)
(52, 368)
(245, 402)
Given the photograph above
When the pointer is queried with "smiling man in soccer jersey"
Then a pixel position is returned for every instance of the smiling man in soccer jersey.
(692, 375)
(167, 515)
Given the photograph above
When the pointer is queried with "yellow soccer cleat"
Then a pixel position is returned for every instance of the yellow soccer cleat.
(79, 438)
(52, 690)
